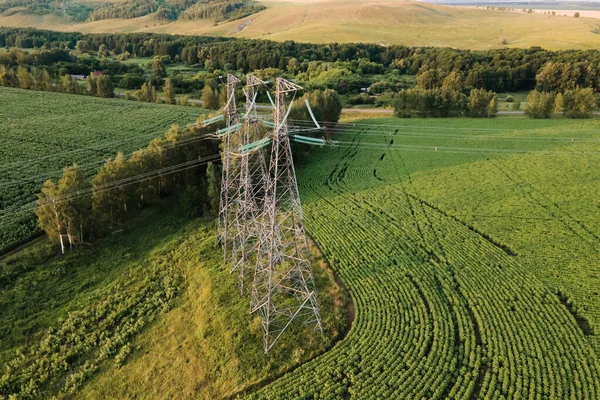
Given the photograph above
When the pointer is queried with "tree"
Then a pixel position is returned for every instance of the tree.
(214, 186)
(82, 46)
(49, 212)
(146, 93)
(558, 103)
(102, 51)
(579, 102)
(191, 201)
(429, 103)
(332, 106)
(104, 87)
(42, 79)
(109, 200)
(25, 79)
(91, 84)
(539, 104)
(482, 104)
(77, 205)
(453, 82)
(67, 84)
(158, 67)
(210, 100)
(427, 79)
(169, 92)
(293, 66)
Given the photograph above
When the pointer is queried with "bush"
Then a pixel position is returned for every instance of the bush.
(509, 99)
(539, 104)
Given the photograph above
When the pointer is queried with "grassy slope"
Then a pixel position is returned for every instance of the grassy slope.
(43, 132)
(205, 344)
(377, 21)
(423, 240)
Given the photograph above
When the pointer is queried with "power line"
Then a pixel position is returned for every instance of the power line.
(115, 184)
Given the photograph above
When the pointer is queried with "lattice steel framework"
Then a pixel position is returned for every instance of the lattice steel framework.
(283, 288)
(251, 198)
(229, 183)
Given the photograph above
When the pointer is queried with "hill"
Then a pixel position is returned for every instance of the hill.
(375, 21)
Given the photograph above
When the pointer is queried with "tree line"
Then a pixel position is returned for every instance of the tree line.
(76, 209)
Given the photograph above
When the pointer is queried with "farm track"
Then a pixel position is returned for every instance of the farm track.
(442, 309)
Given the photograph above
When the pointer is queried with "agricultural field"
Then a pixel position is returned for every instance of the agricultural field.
(149, 313)
(470, 249)
(374, 21)
(43, 132)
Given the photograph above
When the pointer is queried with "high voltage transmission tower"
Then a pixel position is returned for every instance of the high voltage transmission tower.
(250, 199)
(260, 218)
(284, 287)
(229, 188)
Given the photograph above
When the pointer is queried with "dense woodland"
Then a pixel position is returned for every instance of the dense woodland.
(446, 79)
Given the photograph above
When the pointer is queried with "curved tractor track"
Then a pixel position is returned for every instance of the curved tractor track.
(442, 311)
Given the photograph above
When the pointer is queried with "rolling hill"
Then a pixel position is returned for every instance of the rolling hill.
(376, 21)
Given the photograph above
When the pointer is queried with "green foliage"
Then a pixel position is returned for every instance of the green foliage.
(213, 177)
(169, 92)
(579, 103)
(146, 93)
(428, 103)
(191, 201)
(539, 104)
(210, 99)
(563, 76)
(104, 87)
(482, 104)
(326, 106)
(339, 79)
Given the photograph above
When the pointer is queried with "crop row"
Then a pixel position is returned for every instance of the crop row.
(442, 310)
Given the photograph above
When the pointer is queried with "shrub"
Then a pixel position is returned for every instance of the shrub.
(509, 99)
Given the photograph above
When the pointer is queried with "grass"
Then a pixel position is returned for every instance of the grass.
(376, 21)
(470, 249)
(43, 132)
(203, 343)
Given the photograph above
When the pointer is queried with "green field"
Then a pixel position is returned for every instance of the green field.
(374, 21)
(43, 132)
(149, 313)
(454, 259)
(470, 248)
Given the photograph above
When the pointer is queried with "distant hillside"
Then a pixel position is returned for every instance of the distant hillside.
(375, 21)
(162, 10)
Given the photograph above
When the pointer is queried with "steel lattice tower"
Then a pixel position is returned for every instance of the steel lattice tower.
(229, 188)
(283, 288)
(251, 198)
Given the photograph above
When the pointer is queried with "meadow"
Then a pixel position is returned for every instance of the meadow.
(470, 248)
(149, 313)
(375, 21)
(43, 132)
